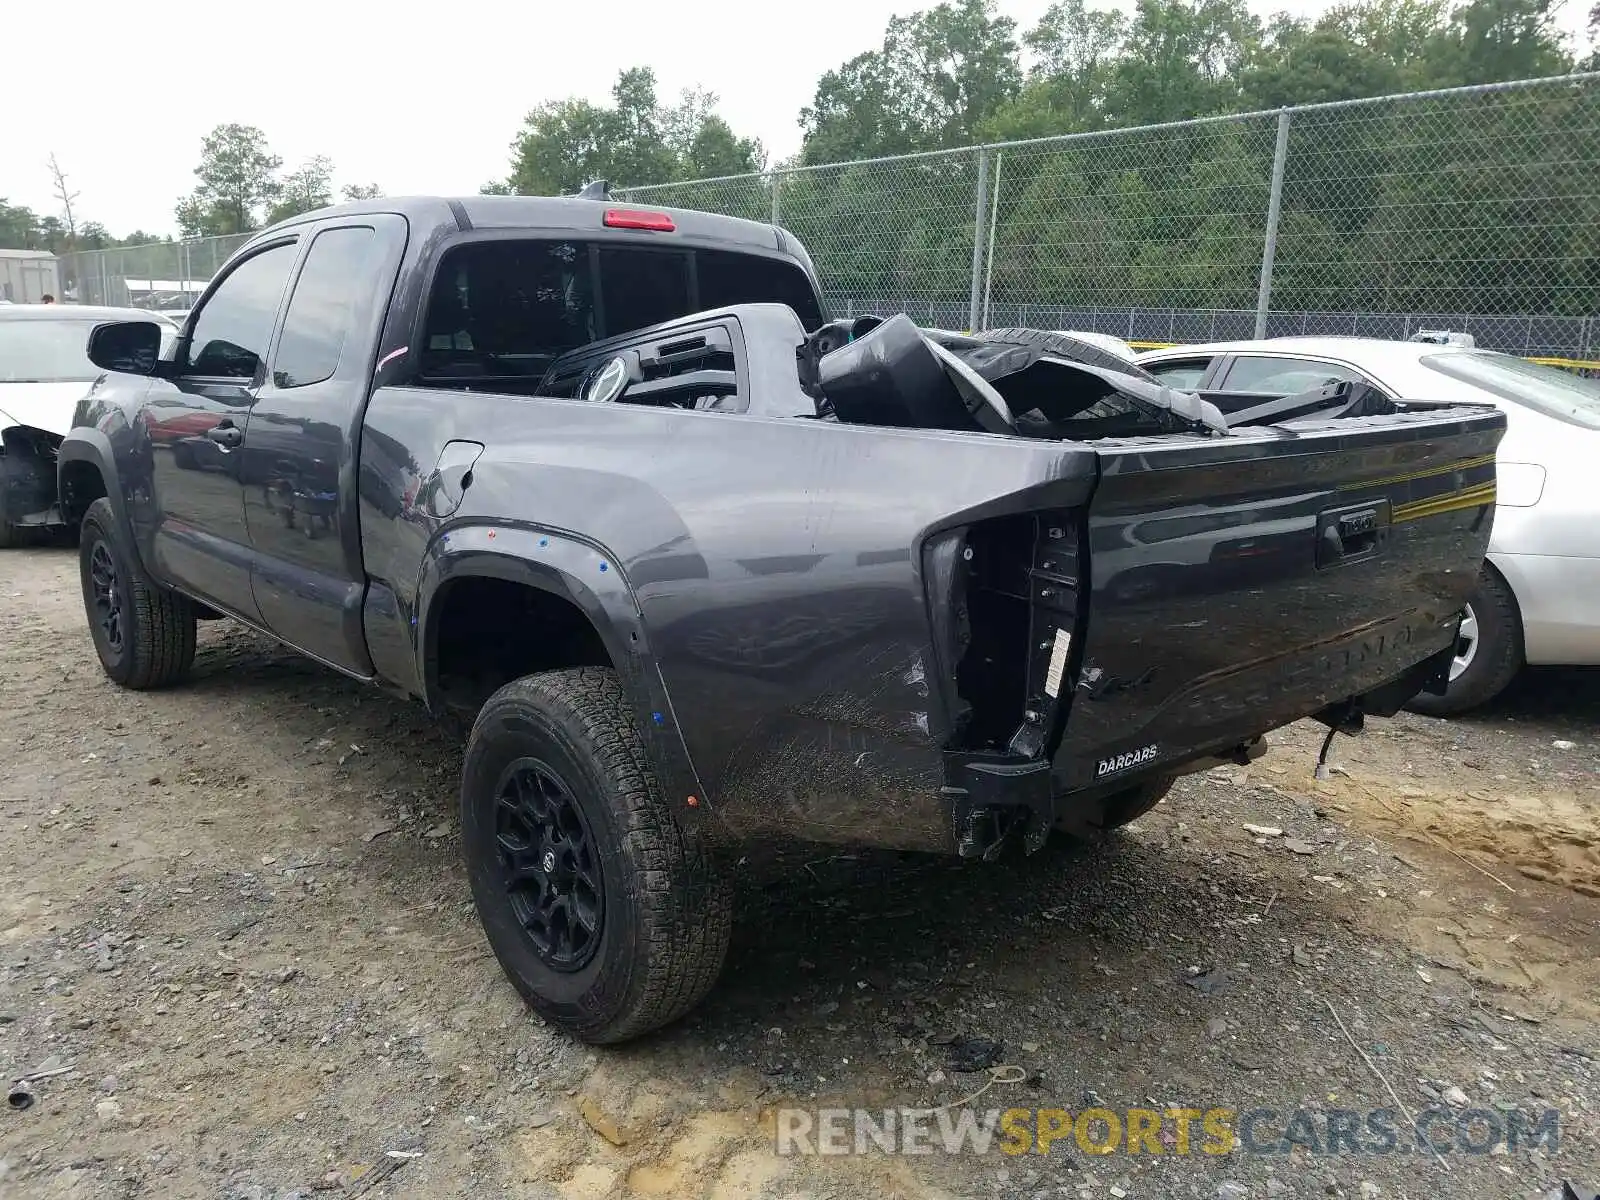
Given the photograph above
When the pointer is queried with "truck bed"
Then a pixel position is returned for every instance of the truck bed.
(866, 627)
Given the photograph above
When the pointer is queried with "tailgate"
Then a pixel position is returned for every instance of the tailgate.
(1236, 584)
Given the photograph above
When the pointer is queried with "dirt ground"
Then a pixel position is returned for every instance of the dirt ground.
(238, 954)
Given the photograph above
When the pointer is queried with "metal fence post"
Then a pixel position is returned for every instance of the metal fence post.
(994, 221)
(1269, 248)
(777, 186)
(981, 211)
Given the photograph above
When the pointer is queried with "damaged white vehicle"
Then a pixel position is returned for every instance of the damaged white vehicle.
(44, 372)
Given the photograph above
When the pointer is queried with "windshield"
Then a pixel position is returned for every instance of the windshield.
(1549, 390)
(46, 351)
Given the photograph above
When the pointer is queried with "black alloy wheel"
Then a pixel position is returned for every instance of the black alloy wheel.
(549, 865)
(106, 599)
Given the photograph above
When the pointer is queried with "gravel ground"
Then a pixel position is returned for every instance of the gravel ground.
(238, 953)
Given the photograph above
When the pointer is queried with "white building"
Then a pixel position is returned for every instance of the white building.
(28, 276)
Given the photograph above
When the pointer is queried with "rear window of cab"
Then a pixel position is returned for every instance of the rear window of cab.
(511, 307)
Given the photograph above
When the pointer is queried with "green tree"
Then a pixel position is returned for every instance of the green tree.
(1404, 33)
(52, 235)
(639, 148)
(362, 191)
(703, 144)
(93, 236)
(938, 78)
(237, 174)
(1182, 60)
(1074, 49)
(1074, 46)
(565, 144)
(1312, 65)
(19, 227)
(717, 150)
(305, 189)
(1494, 40)
(855, 114)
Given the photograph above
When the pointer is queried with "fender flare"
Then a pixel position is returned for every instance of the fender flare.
(582, 572)
(90, 445)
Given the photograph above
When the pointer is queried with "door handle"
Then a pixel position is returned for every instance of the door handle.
(226, 436)
(1349, 535)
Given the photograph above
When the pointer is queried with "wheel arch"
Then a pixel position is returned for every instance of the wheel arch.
(553, 569)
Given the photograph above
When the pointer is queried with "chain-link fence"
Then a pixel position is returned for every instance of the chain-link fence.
(161, 275)
(1474, 209)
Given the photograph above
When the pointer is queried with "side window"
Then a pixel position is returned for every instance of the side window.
(231, 331)
(338, 267)
(1182, 373)
(1282, 376)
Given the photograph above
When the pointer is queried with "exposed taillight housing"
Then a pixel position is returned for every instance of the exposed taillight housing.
(1005, 599)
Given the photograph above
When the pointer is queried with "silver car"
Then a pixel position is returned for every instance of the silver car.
(1538, 600)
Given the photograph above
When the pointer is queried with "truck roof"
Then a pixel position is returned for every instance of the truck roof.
(558, 214)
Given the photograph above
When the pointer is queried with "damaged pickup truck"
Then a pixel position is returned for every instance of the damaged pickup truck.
(704, 568)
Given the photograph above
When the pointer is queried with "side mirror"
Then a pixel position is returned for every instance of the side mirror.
(131, 347)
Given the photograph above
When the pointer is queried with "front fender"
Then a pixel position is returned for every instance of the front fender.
(586, 575)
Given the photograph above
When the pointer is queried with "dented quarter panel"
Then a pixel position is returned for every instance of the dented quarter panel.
(768, 567)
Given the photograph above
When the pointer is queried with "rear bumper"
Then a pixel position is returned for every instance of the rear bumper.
(1376, 671)
(1560, 601)
(1036, 788)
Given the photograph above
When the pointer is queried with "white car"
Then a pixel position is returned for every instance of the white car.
(1538, 599)
(44, 372)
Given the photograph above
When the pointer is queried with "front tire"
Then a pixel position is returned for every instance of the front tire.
(605, 914)
(1489, 652)
(143, 633)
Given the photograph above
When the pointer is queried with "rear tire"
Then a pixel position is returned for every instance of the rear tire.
(1128, 805)
(607, 916)
(1065, 346)
(1487, 661)
(143, 633)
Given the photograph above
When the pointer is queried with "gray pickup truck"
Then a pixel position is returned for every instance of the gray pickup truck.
(704, 568)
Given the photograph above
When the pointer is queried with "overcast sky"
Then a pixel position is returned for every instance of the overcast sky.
(417, 98)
